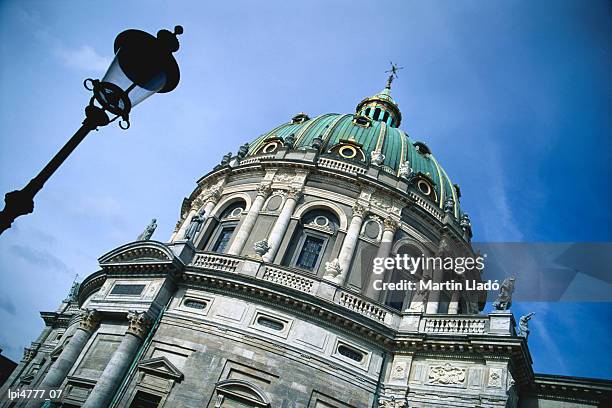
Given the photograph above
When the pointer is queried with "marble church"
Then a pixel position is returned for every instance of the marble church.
(263, 296)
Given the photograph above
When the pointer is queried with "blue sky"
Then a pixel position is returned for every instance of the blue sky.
(513, 98)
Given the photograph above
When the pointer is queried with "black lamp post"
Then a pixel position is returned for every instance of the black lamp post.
(143, 65)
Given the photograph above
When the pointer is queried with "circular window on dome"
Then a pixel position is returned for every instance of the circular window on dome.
(348, 152)
(424, 187)
(270, 147)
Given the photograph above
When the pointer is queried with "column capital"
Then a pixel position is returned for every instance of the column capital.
(90, 319)
(264, 190)
(391, 224)
(140, 323)
(359, 210)
(213, 196)
(294, 193)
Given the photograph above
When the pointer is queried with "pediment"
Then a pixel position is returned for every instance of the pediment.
(138, 252)
(161, 367)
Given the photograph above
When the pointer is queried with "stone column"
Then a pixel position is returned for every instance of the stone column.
(263, 191)
(384, 250)
(433, 300)
(280, 226)
(453, 306)
(209, 205)
(350, 241)
(122, 358)
(72, 350)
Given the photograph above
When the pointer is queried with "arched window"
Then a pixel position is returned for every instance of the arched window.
(398, 299)
(376, 113)
(385, 117)
(317, 229)
(219, 240)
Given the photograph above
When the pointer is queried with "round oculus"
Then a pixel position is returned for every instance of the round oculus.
(348, 152)
(270, 147)
(424, 187)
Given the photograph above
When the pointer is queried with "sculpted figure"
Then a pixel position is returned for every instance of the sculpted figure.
(333, 268)
(404, 169)
(194, 225)
(420, 298)
(524, 325)
(226, 159)
(242, 151)
(148, 232)
(377, 157)
(261, 247)
(504, 299)
(449, 205)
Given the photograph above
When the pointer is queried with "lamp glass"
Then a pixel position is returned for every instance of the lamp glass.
(139, 79)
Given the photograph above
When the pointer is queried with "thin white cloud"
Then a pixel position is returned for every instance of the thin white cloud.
(105, 206)
(83, 58)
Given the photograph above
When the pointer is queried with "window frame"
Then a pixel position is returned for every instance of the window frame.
(300, 247)
(223, 225)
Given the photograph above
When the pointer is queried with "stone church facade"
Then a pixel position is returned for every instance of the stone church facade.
(263, 296)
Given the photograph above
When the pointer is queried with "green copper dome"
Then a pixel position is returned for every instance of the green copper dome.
(364, 134)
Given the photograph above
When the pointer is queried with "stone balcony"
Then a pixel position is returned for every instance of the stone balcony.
(314, 289)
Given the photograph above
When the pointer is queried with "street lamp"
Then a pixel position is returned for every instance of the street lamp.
(143, 65)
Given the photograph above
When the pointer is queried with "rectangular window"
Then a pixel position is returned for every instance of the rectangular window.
(309, 255)
(223, 240)
(134, 290)
(145, 400)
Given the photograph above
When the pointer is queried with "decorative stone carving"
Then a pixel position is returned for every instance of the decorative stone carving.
(391, 403)
(139, 323)
(398, 371)
(359, 210)
(284, 177)
(148, 232)
(90, 319)
(210, 193)
(261, 247)
(444, 247)
(465, 222)
(377, 158)
(264, 190)
(524, 325)
(194, 225)
(404, 169)
(333, 269)
(446, 374)
(242, 151)
(385, 204)
(495, 377)
(74, 291)
(391, 224)
(449, 205)
(294, 193)
(290, 141)
(317, 143)
(420, 298)
(226, 159)
(504, 299)
(28, 354)
(320, 223)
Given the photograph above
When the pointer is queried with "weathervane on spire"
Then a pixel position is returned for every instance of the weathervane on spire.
(393, 73)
